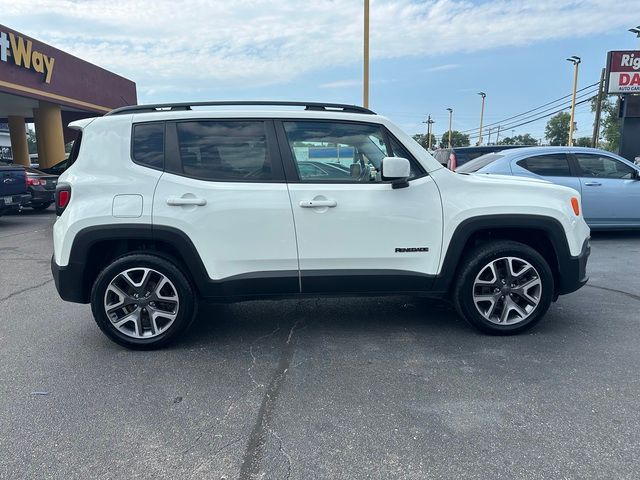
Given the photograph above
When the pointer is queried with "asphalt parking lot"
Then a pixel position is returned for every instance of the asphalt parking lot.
(330, 388)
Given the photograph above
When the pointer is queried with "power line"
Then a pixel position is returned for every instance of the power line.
(511, 127)
(533, 109)
(566, 104)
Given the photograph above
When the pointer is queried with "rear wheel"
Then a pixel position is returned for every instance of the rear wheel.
(504, 288)
(142, 301)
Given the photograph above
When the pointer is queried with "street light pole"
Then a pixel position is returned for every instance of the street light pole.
(576, 61)
(365, 73)
(450, 122)
(483, 95)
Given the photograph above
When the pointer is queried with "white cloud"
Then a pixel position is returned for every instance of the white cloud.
(342, 84)
(442, 68)
(198, 45)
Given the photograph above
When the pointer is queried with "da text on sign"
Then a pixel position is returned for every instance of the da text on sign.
(623, 72)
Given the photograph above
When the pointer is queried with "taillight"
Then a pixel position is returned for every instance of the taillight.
(453, 163)
(35, 181)
(63, 196)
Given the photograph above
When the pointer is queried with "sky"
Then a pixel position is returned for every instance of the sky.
(426, 55)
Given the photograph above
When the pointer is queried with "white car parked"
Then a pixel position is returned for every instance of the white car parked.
(164, 205)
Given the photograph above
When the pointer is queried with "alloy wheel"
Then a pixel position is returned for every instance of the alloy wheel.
(141, 302)
(507, 290)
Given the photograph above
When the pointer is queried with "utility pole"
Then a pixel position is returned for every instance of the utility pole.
(498, 135)
(483, 95)
(596, 122)
(365, 73)
(576, 61)
(450, 122)
(429, 122)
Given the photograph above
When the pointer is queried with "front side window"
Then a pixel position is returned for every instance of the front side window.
(340, 151)
(224, 150)
(147, 145)
(602, 167)
(553, 165)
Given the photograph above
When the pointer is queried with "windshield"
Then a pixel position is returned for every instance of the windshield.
(478, 163)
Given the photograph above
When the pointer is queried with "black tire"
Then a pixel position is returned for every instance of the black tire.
(476, 261)
(41, 206)
(187, 300)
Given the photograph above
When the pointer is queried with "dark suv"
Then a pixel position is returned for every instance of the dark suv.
(452, 158)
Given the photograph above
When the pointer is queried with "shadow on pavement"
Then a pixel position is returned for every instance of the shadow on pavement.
(375, 316)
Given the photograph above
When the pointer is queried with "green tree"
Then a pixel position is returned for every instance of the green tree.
(525, 139)
(582, 142)
(609, 123)
(557, 129)
(423, 140)
(458, 139)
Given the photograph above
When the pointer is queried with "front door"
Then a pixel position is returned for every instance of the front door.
(224, 187)
(355, 232)
(610, 192)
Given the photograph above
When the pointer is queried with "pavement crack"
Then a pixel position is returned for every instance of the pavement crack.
(235, 399)
(19, 292)
(283, 452)
(253, 357)
(256, 446)
(216, 452)
(622, 292)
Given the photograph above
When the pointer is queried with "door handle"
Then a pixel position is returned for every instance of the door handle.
(592, 184)
(186, 201)
(318, 203)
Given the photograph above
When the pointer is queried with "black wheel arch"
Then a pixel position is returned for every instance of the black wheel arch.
(94, 247)
(545, 234)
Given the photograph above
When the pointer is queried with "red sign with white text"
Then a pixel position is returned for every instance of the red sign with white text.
(623, 72)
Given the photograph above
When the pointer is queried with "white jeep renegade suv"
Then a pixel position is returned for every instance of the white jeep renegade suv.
(164, 205)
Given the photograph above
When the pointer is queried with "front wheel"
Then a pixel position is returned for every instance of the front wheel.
(504, 288)
(142, 301)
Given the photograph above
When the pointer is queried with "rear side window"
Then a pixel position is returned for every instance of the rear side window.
(73, 155)
(553, 165)
(148, 145)
(224, 150)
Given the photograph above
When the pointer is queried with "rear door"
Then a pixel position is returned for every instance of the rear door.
(357, 233)
(610, 192)
(224, 187)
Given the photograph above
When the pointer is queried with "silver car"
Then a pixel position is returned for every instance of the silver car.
(609, 184)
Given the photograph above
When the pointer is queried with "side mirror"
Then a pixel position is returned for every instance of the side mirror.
(396, 169)
(635, 175)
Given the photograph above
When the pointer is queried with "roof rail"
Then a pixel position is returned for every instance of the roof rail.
(316, 106)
